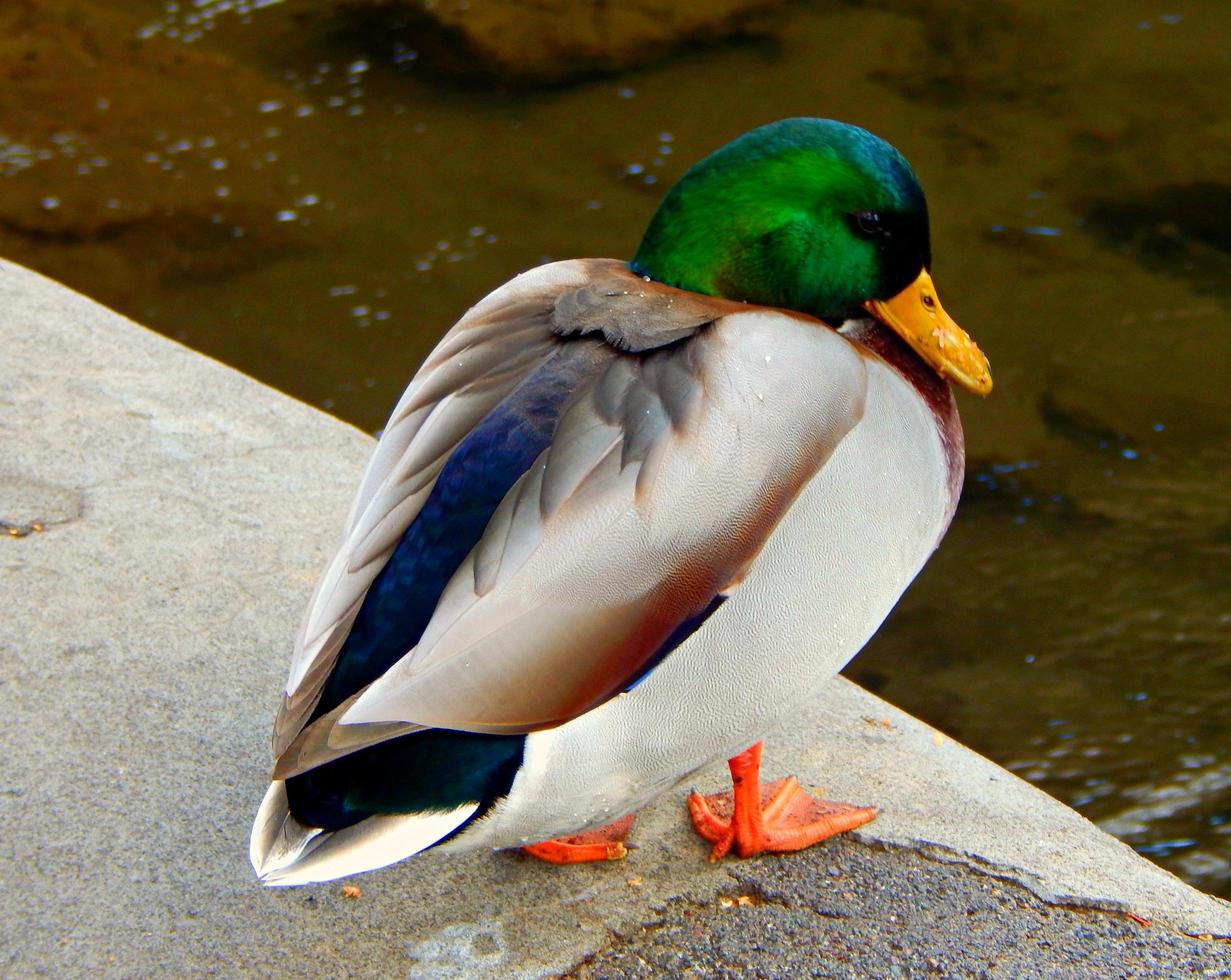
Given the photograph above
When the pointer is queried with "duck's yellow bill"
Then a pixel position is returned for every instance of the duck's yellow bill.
(915, 315)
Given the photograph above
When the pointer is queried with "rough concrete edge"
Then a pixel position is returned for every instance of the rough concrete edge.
(1037, 885)
(928, 852)
(1030, 880)
(1149, 888)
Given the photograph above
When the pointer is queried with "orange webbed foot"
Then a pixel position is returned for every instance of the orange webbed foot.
(778, 817)
(601, 844)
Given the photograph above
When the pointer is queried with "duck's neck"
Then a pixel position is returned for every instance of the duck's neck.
(934, 390)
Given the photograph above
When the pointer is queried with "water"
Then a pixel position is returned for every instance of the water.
(321, 210)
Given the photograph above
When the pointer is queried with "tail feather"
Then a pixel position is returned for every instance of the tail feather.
(285, 852)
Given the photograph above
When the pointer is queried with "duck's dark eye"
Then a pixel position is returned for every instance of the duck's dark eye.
(870, 223)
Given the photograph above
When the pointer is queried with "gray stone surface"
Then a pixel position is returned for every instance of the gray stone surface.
(185, 511)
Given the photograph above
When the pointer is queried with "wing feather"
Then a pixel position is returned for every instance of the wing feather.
(513, 534)
(492, 349)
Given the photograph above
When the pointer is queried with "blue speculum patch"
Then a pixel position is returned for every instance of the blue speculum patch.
(477, 476)
(436, 769)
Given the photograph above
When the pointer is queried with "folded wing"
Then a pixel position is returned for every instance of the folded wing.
(669, 467)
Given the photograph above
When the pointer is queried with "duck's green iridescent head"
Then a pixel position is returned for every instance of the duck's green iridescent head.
(816, 216)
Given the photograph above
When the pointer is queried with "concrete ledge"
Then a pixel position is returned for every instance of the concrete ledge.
(185, 511)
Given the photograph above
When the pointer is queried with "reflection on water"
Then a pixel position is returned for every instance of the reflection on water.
(314, 209)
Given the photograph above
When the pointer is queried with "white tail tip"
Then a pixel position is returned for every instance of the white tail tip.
(285, 852)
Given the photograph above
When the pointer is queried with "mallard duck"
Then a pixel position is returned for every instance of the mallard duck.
(627, 517)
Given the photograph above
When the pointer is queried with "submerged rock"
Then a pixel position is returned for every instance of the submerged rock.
(543, 41)
(126, 160)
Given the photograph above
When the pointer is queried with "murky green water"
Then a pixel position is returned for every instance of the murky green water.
(1076, 624)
